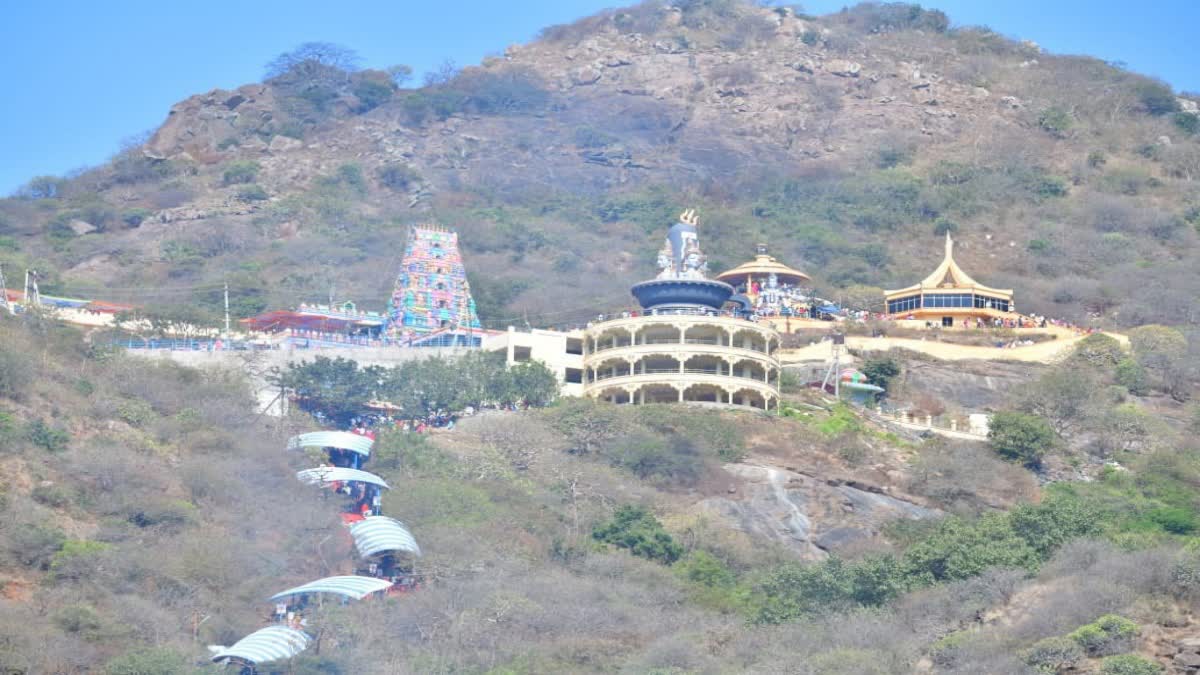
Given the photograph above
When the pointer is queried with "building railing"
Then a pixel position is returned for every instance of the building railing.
(659, 342)
(600, 377)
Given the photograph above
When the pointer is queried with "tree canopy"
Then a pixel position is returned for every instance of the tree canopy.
(311, 57)
(339, 389)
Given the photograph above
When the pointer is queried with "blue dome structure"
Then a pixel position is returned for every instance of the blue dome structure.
(682, 293)
(681, 281)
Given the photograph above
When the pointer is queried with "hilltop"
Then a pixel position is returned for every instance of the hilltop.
(848, 142)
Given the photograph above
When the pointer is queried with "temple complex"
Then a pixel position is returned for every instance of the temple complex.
(431, 292)
(949, 294)
(683, 346)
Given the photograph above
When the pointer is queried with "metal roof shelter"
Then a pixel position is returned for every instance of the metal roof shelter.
(273, 643)
(343, 440)
(762, 267)
(380, 534)
(353, 587)
(324, 475)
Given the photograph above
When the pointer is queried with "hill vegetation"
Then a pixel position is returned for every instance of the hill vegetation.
(849, 142)
(148, 509)
(563, 539)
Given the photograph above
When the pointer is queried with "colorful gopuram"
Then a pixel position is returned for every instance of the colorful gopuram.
(431, 292)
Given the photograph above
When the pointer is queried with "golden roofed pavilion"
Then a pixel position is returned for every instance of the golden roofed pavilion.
(762, 267)
(947, 294)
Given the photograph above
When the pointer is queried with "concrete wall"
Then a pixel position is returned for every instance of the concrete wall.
(547, 346)
(365, 356)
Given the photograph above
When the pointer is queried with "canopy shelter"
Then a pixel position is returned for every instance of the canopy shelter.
(343, 319)
(325, 475)
(273, 643)
(949, 292)
(343, 440)
(762, 267)
(353, 587)
(379, 534)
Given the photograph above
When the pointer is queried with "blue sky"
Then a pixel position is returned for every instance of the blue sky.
(81, 76)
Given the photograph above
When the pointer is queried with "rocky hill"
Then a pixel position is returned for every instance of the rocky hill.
(848, 142)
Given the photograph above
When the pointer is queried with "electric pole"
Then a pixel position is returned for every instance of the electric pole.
(4, 293)
(33, 297)
(226, 310)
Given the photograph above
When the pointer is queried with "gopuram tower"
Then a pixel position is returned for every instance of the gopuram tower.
(682, 346)
(431, 292)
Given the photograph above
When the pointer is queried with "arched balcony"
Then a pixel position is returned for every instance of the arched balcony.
(750, 398)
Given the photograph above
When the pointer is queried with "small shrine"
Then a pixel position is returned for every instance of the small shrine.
(772, 288)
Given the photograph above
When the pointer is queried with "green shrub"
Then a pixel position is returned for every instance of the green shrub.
(54, 496)
(241, 171)
(959, 549)
(943, 225)
(136, 412)
(703, 568)
(16, 373)
(655, 458)
(413, 453)
(946, 651)
(46, 437)
(637, 530)
(1020, 437)
(1053, 654)
(1098, 351)
(1174, 519)
(587, 137)
(1187, 122)
(135, 217)
(881, 370)
(76, 559)
(34, 545)
(252, 193)
(160, 511)
(80, 619)
(1060, 518)
(398, 177)
(149, 661)
(1185, 573)
(371, 94)
(1110, 634)
(1157, 98)
(1056, 121)
(1129, 664)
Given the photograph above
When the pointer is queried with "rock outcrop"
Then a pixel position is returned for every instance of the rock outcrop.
(810, 515)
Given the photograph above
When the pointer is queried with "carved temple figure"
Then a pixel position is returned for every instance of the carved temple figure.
(771, 294)
(681, 256)
(666, 266)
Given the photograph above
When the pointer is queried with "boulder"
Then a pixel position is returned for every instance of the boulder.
(581, 77)
(843, 68)
(1189, 106)
(81, 227)
(804, 66)
(1187, 660)
(283, 144)
(1011, 102)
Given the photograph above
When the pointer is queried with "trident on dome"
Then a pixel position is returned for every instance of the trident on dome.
(689, 217)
